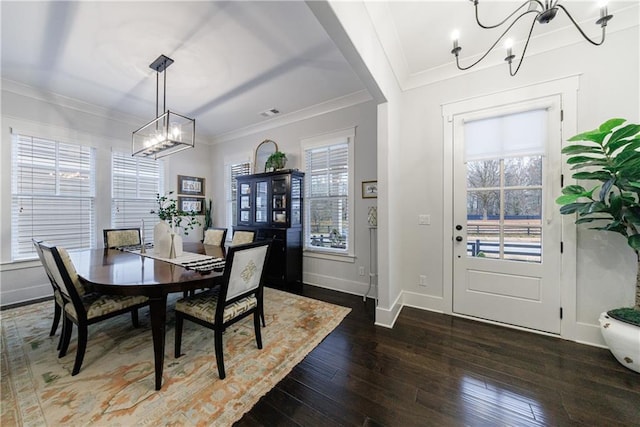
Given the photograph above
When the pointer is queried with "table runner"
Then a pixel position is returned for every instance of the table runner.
(188, 260)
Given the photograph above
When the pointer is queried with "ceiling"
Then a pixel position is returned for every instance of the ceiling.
(235, 59)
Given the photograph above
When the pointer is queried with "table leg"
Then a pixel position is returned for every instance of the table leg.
(158, 312)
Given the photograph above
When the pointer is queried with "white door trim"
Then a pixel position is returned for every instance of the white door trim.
(567, 88)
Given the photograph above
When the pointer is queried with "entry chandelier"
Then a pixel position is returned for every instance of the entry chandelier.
(543, 13)
(169, 132)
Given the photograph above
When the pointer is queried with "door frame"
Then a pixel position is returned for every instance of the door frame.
(567, 88)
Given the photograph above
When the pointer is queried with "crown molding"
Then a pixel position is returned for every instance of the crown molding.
(296, 116)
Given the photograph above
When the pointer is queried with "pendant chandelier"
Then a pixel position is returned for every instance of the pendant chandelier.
(542, 13)
(169, 132)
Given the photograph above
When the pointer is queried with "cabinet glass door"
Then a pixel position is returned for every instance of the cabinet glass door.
(245, 203)
(279, 200)
(261, 202)
(296, 191)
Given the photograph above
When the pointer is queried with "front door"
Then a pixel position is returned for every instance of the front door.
(507, 235)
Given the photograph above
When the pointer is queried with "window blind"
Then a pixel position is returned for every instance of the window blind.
(235, 170)
(135, 183)
(327, 197)
(52, 195)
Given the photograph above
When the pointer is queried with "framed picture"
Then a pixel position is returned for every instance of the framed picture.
(190, 185)
(369, 189)
(191, 204)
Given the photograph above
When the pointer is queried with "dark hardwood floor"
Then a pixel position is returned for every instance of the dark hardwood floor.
(437, 370)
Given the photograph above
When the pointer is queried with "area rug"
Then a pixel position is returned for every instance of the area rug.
(115, 386)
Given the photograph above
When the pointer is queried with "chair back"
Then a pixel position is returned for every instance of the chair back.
(36, 244)
(119, 237)
(244, 271)
(215, 236)
(58, 262)
(242, 237)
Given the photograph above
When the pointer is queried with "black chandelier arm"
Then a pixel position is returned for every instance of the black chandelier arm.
(494, 44)
(488, 27)
(524, 50)
(603, 25)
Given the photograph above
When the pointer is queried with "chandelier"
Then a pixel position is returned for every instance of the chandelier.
(169, 132)
(542, 13)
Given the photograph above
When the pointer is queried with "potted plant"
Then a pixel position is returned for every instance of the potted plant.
(276, 161)
(610, 155)
(168, 211)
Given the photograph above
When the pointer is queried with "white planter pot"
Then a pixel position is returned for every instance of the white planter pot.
(623, 340)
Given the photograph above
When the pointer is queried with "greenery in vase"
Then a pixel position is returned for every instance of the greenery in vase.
(609, 154)
(276, 161)
(167, 210)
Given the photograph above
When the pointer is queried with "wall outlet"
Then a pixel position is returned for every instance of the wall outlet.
(423, 280)
(424, 219)
(361, 271)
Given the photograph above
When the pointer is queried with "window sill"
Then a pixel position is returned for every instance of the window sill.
(329, 256)
(19, 265)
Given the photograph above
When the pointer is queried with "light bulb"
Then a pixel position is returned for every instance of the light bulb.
(455, 35)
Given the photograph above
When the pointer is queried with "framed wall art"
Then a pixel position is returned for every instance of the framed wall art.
(191, 204)
(191, 185)
(369, 189)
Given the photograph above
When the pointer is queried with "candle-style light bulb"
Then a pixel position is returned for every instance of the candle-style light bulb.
(455, 35)
(508, 44)
(603, 8)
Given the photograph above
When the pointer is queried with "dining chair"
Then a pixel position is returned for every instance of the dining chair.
(81, 307)
(238, 296)
(119, 237)
(215, 236)
(57, 296)
(241, 237)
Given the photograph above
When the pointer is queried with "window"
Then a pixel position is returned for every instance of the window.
(328, 165)
(135, 182)
(234, 171)
(52, 195)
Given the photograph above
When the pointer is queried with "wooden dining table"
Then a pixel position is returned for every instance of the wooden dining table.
(117, 272)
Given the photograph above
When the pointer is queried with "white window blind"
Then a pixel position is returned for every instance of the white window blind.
(235, 170)
(52, 195)
(135, 183)
(327, 198)
(513, 135)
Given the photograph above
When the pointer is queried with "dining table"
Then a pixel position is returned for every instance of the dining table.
(121, 272)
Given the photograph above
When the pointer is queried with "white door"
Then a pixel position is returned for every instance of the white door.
(507, 227)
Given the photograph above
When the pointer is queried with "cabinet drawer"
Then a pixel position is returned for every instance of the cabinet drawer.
(272, 233)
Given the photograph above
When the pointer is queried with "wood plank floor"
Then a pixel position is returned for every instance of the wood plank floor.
(437, 370)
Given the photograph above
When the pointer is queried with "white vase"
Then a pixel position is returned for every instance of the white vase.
(160, 230)
(623, 340)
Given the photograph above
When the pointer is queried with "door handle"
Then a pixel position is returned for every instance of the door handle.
(458, 238)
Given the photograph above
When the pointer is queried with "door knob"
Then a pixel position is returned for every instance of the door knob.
(458, 227)
(458, 238)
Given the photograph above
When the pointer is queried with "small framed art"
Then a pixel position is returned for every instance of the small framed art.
(191, 204)
(191, 185)
(369, 189)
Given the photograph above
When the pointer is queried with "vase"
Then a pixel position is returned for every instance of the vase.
(160, 230)
(623, 340)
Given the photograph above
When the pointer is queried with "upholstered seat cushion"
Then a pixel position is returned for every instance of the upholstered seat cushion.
(119, 238)
(203, 306)
(213, 237)
(97, 305)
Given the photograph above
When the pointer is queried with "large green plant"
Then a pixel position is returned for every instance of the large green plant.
(610, 155)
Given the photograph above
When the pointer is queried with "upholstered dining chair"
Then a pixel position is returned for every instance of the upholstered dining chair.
(119, 237)
(241, 237)
(238, 296)
(215, 236)
(81, 307)
(57, 296)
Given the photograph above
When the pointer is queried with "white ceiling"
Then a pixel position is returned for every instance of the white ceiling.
(236, 59)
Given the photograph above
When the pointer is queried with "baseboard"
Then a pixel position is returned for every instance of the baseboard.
(423, 302)
(386, 317)
(589, 334)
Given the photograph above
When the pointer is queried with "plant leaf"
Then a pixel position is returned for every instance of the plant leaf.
(592, 135)
(634, 241)
(597, 175)
(606, 187)
(574, 189)
(611, 124)
(570, 208)
(577, 149)
(624, 132)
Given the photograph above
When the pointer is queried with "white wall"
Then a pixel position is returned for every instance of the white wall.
(609, 87)
(322, 272)
(44, 114)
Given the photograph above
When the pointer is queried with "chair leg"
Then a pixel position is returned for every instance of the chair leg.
(61, 335)
(262, 315)
(67, 328)
(219, 353)
(134, 317)
(178, 338)
(57, 311)
(82, 346)
(256, 327)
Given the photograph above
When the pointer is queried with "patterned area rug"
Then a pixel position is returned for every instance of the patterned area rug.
(115, 385)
